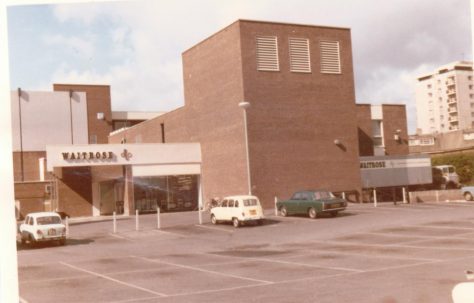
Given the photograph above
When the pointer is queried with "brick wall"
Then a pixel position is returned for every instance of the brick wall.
(32, 196)
(395, 118)
(364, 129)
(30, 165)
(295, 118)
(75, 191)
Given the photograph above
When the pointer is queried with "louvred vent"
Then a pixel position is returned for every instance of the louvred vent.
(299, 55)
(267, 54)
(330, 57)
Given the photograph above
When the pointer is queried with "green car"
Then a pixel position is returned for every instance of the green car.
(312, 203)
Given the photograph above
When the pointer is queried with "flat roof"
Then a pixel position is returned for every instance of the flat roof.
(263, 22)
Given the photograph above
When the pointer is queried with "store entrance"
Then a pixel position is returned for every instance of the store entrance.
(111, 196)
(170, 193)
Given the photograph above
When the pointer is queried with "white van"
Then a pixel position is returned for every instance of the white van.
(238, 209)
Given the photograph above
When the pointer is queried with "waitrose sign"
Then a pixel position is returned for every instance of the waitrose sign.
(122, 154)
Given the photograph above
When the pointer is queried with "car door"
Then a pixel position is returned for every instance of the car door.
(293, 204)
(230, 210)
(305, 202)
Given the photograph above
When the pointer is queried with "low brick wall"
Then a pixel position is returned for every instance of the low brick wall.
(32, 196)
(435, 196)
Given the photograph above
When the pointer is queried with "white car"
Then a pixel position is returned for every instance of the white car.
(43, 227)
(238, 209)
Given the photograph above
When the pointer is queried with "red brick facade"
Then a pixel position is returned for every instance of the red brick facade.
(293, 121)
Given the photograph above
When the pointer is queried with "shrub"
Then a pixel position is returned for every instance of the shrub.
(464, 164)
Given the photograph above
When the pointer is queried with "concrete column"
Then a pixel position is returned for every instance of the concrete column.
(128, 197)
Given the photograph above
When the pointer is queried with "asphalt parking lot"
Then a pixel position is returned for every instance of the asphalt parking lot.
(402, 253)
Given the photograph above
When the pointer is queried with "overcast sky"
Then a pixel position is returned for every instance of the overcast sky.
(136, 46)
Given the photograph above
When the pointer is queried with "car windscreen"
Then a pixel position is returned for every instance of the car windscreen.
(323, 195)
(250, 202)
(451, 169)
(48, 220)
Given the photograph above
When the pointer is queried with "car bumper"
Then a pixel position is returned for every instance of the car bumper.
(253, 218)
(46, 239)
(334, 209)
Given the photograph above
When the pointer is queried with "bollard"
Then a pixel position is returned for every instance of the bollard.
(375, 197)
(136, 219)
(115, 222)
(276, 208)
(344, 195)
(158, 225)
(437, 196)
(404, 195)
(200, 214)
(67, 226)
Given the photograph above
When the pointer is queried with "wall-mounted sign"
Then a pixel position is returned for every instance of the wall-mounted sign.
(372, 164)
(88, 155)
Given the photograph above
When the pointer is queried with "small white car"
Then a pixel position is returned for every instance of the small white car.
(43, 227)
(238, 209)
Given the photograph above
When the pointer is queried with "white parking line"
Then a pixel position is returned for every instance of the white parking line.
(120, 237)
(206, 271)
(113, 280)
(215, 228)
(23, 300)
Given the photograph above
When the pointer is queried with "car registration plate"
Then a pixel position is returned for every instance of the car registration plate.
(52, 232)
(253, 212)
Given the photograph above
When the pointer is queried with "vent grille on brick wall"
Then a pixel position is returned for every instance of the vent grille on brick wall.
(267, 54)
(299, 55)
(330, 57)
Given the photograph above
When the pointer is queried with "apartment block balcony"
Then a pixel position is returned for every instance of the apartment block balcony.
(450, 81)
(450, 92)
(454, 128)
(453, 119)
(452, 109)
(452, 100)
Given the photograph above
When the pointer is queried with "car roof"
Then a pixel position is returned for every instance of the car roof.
(43, 214)
(240, 197)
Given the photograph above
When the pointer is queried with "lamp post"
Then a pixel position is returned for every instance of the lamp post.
(244, 105)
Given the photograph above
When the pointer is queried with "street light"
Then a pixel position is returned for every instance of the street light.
(244, 105)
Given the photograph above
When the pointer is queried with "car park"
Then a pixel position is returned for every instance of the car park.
(312, 203)
(42, 227)
(238, 210)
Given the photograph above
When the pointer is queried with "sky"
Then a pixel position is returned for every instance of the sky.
(136, 46)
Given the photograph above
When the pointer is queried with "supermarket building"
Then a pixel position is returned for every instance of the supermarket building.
(303, 128)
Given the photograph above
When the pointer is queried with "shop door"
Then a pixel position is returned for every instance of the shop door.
(107, 197)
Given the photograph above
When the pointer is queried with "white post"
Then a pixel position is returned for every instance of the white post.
(404, 195)
(244, 105)
(437, 196)
(115, 222)
(136, 219)
(344, 195)
(200, 215)
(67, 226)
(158, 225)
(200, 199)
(375, 197)
(276, 209)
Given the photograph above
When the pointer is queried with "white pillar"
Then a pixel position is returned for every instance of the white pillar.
(244, 106)
(136, 220)
(8, 257)
(404, 190)
(67, 226)
(276, 209)
(200, 199)
(375, 197)
(344, 195)
(158, 223)
(115, 222)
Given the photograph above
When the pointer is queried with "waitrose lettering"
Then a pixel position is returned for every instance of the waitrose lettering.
(88, 155)
(372, 164)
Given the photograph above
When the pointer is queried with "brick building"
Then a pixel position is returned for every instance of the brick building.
(302, 130)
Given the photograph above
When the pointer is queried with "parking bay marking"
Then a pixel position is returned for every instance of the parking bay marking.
(113, 280)
(205, 270)
(215, 228)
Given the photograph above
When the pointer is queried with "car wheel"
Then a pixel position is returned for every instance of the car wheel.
(468, 196)
(312, 213)
(213, 219)
(260, 222)
(283, 211)
(31, 240)
(235, 222)
(62, 242)
(334, 214)
(23, 240)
